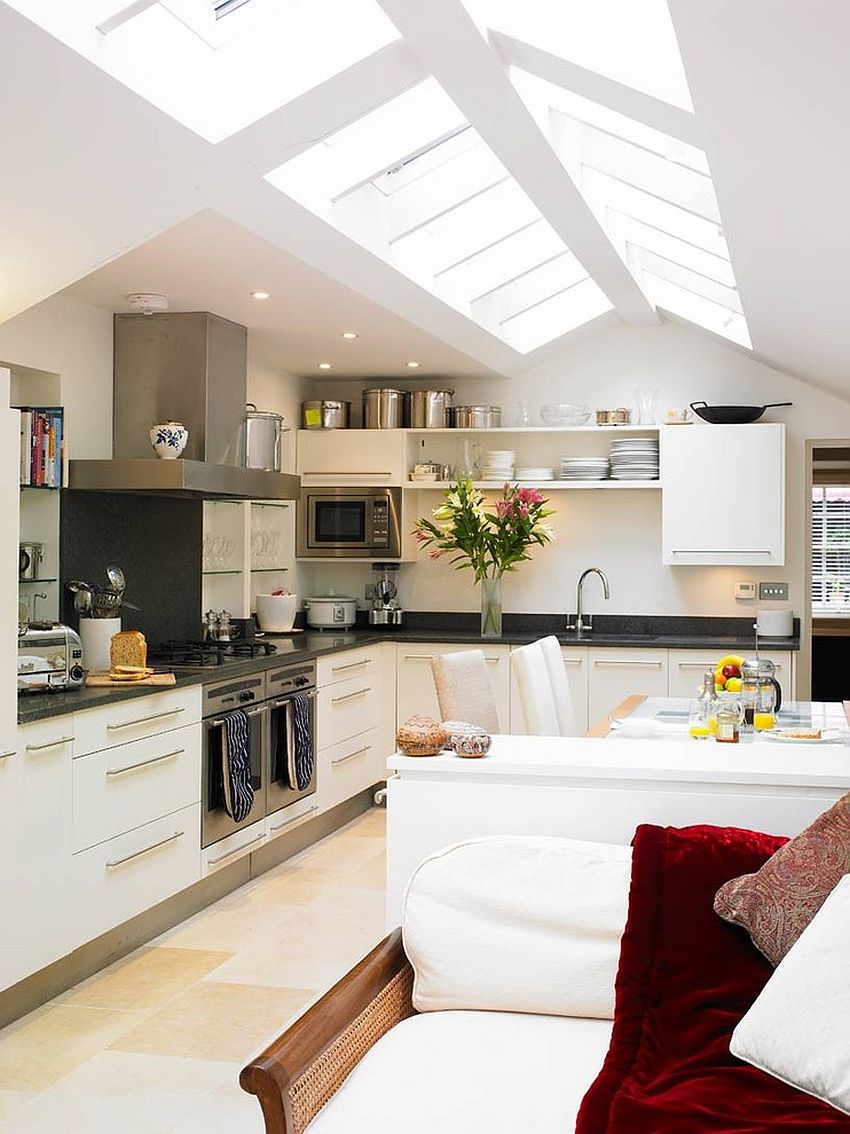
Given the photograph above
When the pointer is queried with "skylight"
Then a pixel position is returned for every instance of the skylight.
(415, 184)
(217, 67)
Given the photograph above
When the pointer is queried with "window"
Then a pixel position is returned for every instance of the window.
(831, 549)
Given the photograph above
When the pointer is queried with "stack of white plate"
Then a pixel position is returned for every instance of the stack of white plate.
(634, 458)
(584, 468)
(533, 472)
(498, 464)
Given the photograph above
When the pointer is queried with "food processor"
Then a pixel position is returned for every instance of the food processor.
(385, 609)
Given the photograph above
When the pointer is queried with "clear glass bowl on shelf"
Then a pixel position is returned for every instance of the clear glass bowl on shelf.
(564, 414)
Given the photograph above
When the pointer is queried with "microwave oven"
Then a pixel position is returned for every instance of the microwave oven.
(349, 523)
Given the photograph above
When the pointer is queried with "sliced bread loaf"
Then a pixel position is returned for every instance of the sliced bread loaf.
(128, 648)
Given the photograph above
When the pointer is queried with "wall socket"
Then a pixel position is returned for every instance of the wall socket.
(775, 592)
(745, 589)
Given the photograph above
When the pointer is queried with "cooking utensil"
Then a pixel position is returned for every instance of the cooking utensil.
(429, 408)
(384, 408)
(733, 415)
(335, 611)
(323, 413)
(263, 434)
(82, 603)
(476, 417)
(116, 577)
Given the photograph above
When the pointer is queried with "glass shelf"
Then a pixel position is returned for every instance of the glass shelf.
(41, 487)
(265, 570)
(228, 571)
(38, 580)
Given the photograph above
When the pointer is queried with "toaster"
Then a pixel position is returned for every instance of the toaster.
(50, 656)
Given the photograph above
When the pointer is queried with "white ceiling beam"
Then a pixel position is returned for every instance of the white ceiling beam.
(654, 112)
(340, 100)
(448, 43)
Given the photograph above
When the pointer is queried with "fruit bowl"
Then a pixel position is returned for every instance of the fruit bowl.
(564, 414)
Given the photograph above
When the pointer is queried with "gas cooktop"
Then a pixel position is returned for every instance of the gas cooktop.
(207, 655)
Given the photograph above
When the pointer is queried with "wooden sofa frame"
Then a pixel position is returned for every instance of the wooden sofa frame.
(304, 1066)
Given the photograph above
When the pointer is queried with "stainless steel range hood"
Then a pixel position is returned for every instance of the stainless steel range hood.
(189, 367)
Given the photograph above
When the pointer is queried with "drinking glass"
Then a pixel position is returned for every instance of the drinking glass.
(699, 725)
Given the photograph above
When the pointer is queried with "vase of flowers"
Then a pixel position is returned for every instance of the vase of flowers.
(488, 538)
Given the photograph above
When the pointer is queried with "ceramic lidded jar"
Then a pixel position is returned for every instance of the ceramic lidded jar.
(421, 736)
(168, 439)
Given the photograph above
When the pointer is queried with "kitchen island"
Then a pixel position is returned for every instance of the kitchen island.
(601, 790)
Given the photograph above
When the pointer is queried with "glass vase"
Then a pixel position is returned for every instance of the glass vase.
(491, 607)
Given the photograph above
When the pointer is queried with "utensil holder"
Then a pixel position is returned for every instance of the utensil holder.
(96, 637)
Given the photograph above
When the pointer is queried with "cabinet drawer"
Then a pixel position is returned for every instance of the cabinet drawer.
(616, 674)
(120, 878)
(347, 768)
(136, 718)
(347, 664)
(283, 820)
(120, 788)
(688, 666)
(346, 709)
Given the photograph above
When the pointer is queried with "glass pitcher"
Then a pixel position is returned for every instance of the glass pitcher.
(761, 694)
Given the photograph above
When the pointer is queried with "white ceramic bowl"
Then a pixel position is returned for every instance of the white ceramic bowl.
(636, 727)
(276, 613)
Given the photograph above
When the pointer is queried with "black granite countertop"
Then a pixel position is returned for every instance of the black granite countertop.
(647, 632)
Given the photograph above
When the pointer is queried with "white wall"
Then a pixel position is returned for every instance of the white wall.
(621, 531)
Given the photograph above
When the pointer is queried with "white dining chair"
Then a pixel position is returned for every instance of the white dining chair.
(544, 691)
(464, 692)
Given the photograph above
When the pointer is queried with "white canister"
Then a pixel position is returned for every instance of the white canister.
(96, 637)
(168, 439)
(335, 612)
(276, 613)
(775, 623)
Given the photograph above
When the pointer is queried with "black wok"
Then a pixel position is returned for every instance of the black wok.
(732, 415)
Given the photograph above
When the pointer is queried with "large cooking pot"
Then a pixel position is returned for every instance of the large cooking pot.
(325, 414)
(384, 408)
(263, 432)
(733, 415)
(476, 417)
(429, 409)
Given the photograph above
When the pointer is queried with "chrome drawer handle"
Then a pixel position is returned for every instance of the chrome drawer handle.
(146, 763)
(294, 819)
(725, 551)
(350, 696)
(351, 665)
(430, 657)
(6, 755)
(146, 720)
(343, 472)
(145, 850)
(351, 755)
(236, 850)
(629, 663)
(573, 661)
(50, 744)
(704, 666)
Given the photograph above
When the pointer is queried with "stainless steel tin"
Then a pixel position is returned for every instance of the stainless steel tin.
(384, 408)
(30, 556)
(263, 432)
(477, 417)
(429, 408)
(620, 416)
(325, 414)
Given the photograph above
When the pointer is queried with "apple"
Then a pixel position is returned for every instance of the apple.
(730, 670)
(733, 685)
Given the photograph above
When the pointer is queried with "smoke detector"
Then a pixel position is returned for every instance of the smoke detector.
(147, 302)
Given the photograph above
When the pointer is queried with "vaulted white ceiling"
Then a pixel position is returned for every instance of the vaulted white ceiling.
(498, 176)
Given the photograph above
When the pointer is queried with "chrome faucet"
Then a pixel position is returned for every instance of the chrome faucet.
(583, 623)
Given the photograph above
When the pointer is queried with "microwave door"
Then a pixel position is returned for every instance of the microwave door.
(339, 522)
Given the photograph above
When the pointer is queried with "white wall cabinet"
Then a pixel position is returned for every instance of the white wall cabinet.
(617, 673)
(577, 668)
(415, 692)
(351, 456)
(703, 522)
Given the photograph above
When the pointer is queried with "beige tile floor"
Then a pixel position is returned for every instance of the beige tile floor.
(154, 1044)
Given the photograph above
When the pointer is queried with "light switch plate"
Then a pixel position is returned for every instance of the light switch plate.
(775, 592)
(745, 589)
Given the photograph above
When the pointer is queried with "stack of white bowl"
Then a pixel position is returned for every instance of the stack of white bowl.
(634, 458)
(498, 464)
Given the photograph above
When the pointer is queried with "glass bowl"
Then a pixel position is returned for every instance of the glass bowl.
(564, 414)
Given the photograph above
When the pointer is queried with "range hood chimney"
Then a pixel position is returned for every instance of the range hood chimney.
(189, 367)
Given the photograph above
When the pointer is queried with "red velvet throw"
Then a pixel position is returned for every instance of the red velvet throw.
(685, 979)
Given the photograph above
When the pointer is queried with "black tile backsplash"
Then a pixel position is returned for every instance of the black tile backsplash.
(156, 540)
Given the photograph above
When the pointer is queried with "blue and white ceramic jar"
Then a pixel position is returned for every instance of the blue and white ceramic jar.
(169, 439)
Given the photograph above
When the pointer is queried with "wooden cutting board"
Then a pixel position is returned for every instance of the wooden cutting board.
(101, 678)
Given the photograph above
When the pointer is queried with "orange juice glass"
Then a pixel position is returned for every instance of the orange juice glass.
(763, 722)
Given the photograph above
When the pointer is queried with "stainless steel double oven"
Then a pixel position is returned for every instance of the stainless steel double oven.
(267, 698)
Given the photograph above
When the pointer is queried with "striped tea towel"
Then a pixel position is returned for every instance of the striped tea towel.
(302, 727)
(236, 769)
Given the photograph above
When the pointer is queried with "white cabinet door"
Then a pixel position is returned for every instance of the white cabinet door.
(617, 673)
(351, 456)
(688, 666)
(576, 666)
(350, 766)
(40, 925)
(10, 423)
(723, 494)
(415, 692)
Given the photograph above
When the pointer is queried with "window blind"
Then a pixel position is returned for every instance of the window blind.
(831, 548)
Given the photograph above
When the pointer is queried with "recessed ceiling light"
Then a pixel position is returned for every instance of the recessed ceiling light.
(413, 365)
(260, 295)
(349, 334)
(324, 366)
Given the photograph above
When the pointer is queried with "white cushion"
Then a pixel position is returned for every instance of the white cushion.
(463, 1072)
(797, 1029)
(516, 923)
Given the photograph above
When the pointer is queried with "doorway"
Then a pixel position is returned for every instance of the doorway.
(828, 569)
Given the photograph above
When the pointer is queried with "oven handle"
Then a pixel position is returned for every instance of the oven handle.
(219, 722)
(287, 700)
